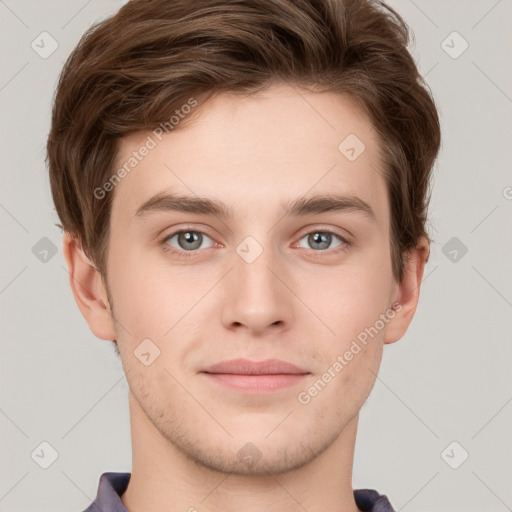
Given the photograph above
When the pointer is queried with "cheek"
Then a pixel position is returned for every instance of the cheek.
(351, 298)
(350, 301)
(156, 300)
(143, 300)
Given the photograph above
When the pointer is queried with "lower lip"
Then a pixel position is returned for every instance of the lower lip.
(257, 383)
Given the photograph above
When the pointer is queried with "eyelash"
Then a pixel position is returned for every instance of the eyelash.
(187, 254)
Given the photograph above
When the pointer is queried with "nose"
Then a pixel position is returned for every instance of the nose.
(257, 298)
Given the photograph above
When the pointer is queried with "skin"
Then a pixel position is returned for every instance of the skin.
(251, 152)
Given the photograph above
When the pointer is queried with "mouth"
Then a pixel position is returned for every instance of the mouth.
(255, 376)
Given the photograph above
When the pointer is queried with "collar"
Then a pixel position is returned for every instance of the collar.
(112, 485)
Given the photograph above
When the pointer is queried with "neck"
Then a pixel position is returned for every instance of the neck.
(163, 479)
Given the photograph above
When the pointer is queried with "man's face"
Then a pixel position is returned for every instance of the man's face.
(255, 285)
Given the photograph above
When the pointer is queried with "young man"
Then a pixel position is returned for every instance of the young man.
(243, 187)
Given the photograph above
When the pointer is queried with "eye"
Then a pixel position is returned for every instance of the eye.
(319, 240)
(187, 241)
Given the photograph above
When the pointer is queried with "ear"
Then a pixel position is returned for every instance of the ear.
(408, 291)
(88, 289)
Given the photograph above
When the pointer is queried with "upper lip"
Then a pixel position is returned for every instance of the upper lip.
(248, 367)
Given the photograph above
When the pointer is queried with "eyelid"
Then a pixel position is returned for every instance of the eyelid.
(177, 231)
(342, 233)
(347, 236)
(345, 240)
(173, 230)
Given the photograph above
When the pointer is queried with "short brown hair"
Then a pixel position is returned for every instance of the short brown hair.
(132, 71)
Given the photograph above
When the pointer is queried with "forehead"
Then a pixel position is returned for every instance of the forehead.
(257, 151)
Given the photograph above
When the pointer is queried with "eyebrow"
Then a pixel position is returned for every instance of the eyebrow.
(166, 202)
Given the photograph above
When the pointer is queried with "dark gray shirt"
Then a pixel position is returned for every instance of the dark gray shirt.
(112, 486)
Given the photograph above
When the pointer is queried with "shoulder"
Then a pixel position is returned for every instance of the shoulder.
(110, 488)
(369, 500)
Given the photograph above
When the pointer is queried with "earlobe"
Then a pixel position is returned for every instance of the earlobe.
(409, 290)
(88, 289)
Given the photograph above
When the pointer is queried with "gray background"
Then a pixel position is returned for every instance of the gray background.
(448, 380)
